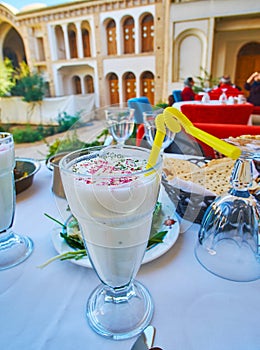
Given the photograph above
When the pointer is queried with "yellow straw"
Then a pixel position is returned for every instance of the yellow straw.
(159, 137)
(158, 141)
(174, 119)
(171, 113)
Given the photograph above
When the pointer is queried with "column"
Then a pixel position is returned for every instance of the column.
(66, 40)
(137, 36)
(120, 89)
(83, 91)
(79, 40)
(118, 38)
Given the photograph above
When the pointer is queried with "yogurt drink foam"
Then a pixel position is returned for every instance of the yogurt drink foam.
(113, 197)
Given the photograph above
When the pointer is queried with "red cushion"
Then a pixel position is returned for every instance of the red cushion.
(256, 110)
(224, 114)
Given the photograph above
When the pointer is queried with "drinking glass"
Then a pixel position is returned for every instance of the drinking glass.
(113, 195)
(206, 98)
(223, 97)
(120, 121)
(228, 242)
(14, 248)
(150, 128)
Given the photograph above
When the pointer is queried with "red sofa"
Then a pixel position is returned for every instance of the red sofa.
(256, 110)
(220, 114)
(224, 131)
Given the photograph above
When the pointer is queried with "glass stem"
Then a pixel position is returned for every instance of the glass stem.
(5, 235)
(242, 177)
(241, 180)
(119, 295)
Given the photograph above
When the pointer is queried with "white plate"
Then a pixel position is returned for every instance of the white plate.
(154, 252)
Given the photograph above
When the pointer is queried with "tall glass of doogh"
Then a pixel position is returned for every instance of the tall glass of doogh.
(14, 248)
(113, 195)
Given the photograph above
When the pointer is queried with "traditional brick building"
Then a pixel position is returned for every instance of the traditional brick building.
(118, 49)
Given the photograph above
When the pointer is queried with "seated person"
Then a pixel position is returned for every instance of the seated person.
(230, 89)
(187, 93)
(170, 100)
(253, 86)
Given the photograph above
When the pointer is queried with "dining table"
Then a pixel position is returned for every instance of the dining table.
(216, 112)
(43, 308)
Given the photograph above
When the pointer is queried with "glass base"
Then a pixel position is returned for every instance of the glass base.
(14, 249)
(120, 314)
(229, 261)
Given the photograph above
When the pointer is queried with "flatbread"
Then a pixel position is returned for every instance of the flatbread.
(214, 176)
(174, 167)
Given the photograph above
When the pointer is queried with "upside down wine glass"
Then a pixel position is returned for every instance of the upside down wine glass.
(150, 128)
(14, 248)
(229, 240)
(112, 195)
(120, 121)
(223, 97)
(206, 98)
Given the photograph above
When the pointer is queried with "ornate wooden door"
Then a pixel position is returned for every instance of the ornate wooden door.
(147, 33)
(129, 35)
(113, 89)
(111, 38)
(129, 86)
(147, 86)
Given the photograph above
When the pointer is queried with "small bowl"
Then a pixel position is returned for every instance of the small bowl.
(24, 171)
(53, 165)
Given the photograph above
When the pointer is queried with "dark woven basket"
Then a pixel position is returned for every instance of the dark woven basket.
(190, 206)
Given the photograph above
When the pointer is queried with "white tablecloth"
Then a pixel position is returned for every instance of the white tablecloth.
(44, 309)
(194, 102)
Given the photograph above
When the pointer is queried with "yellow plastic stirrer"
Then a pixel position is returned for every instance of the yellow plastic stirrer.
(172, 114)
(159, 137)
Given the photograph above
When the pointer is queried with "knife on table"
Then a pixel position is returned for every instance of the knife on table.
(145, 339)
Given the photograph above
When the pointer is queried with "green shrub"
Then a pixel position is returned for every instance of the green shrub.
(4, 128)
(66, 121)
(6, 77)
(161, 105)
(30, 85)
(27, 134)
(72, 142)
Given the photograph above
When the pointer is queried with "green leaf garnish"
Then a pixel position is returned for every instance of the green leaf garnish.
(157, 238)
(55, 220)
(75, 242)
(78, 254)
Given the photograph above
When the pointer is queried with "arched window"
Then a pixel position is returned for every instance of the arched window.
(189, 65)
(147, 32)
(76, 85)
(59, 35)
(129, 86)
(147, 86)
(85, 39)
(72, 34)
(113, 88)
(13, 47)
(129, 35)
(89, 85)
(111, 38)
